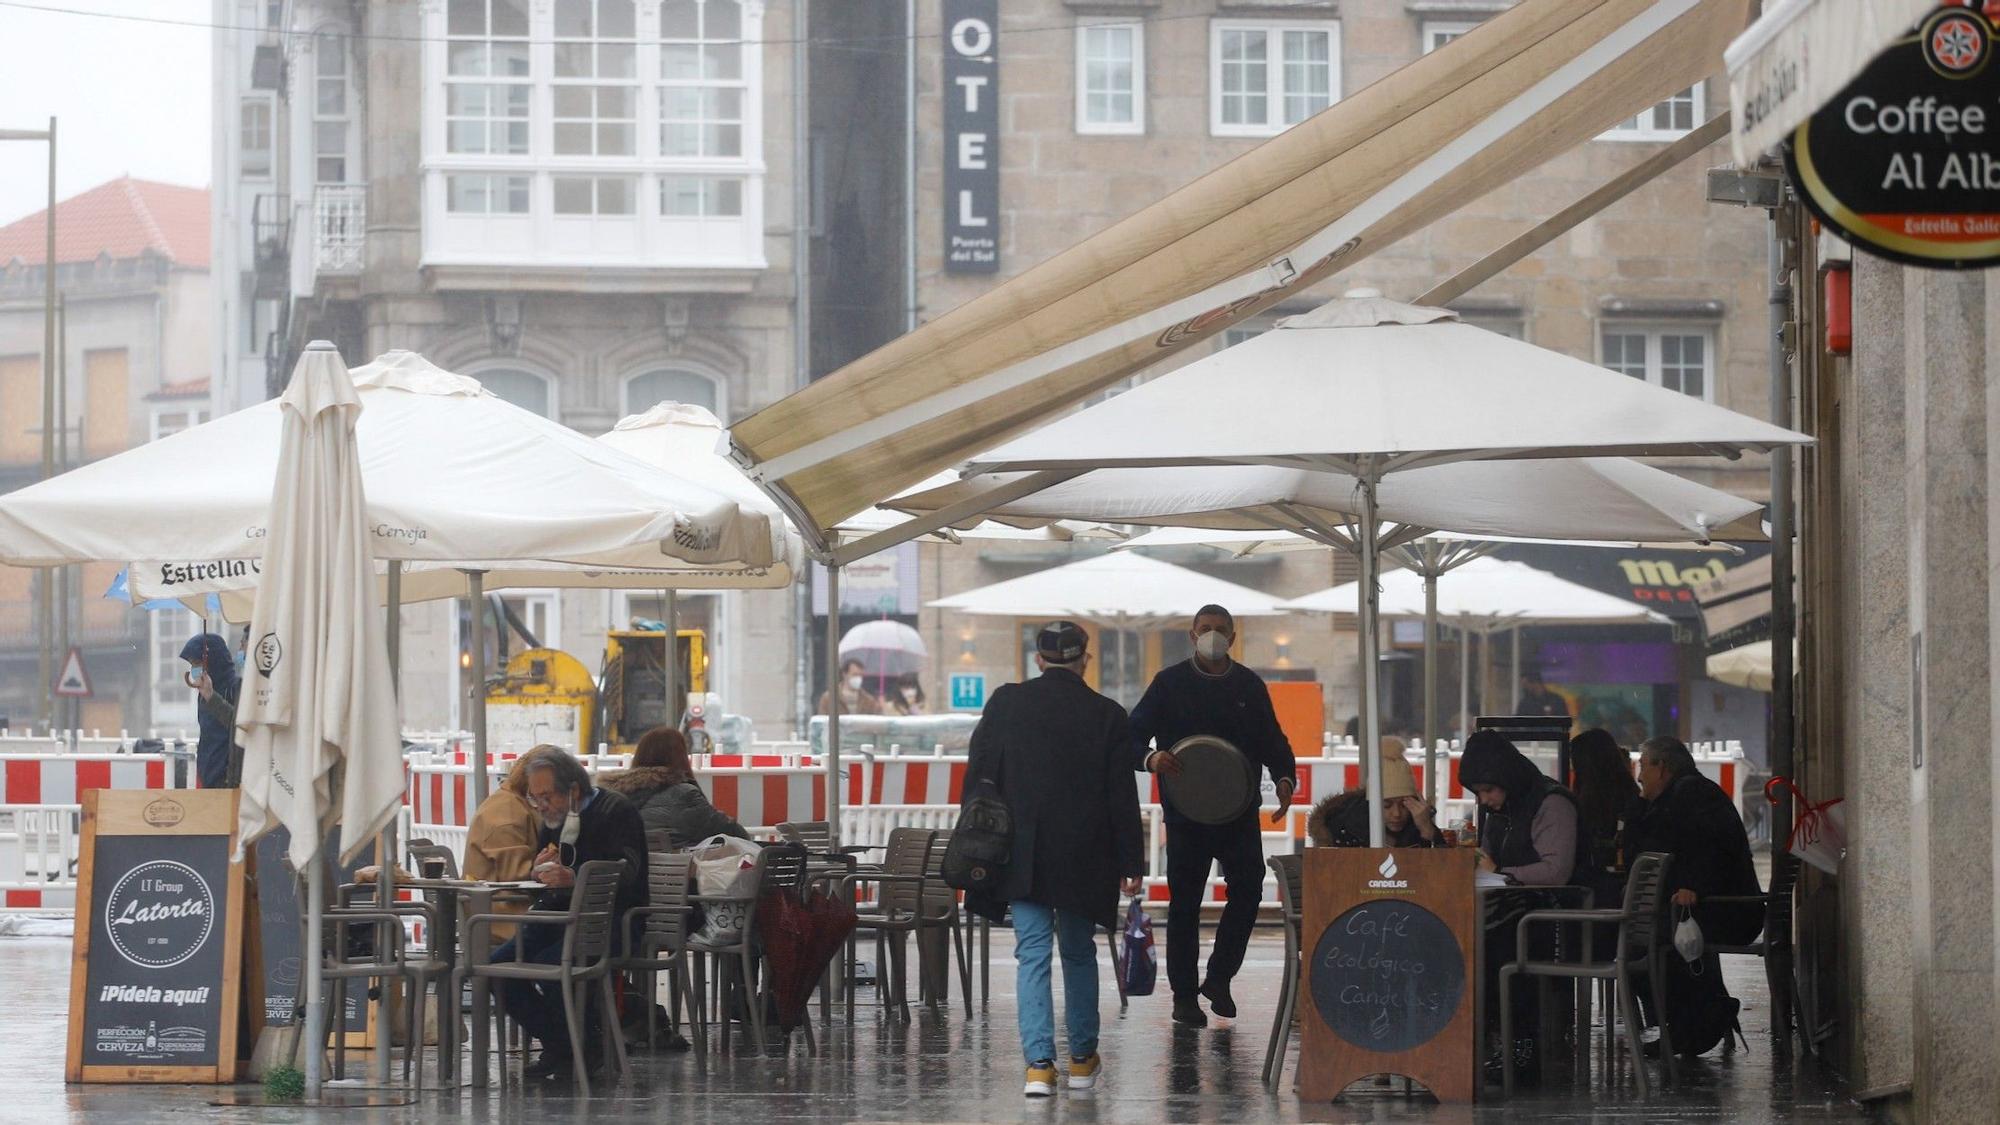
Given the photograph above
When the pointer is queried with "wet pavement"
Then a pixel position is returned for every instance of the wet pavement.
(947, 1068)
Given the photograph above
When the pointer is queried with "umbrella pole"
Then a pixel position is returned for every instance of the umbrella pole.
(670, 613)
(385, 841)
(1430, 681)
(1514, 659)
(475, 589)
(1371, 720)
(833, 702)
(1464, 680)
(314, 1044)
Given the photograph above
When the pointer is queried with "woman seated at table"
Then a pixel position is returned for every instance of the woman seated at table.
(1608, 803)
(661, 786)
(1530, 835)
(1341, 821)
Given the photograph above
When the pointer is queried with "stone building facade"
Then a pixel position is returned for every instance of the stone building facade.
(1108, 105)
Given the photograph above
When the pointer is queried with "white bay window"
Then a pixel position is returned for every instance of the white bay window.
(1265, 78)
(592, 133)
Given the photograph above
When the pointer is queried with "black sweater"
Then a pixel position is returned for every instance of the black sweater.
(610, 829)
(1235, 706)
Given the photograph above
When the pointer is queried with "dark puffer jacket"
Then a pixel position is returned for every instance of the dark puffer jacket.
(1341, 821)
(670, 801)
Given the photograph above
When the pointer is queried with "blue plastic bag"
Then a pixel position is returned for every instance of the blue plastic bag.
(1140, 967)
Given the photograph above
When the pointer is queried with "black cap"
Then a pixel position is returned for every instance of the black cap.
(1061, 642)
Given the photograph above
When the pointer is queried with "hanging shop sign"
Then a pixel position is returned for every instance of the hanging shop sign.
(1905, 161)
(971, 136)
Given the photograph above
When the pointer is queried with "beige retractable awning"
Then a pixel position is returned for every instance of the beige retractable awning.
(1452, 125)
(1798, 55)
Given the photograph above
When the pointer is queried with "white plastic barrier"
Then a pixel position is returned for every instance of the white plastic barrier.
(39, 849)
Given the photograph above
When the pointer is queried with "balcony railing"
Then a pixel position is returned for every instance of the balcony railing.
(340, 227)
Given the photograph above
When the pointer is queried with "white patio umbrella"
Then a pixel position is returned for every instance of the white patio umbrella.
(1483, 596)
(321, 740)
(1745, 666)
(1260, 508)
(1370, 388)
(1114, 591)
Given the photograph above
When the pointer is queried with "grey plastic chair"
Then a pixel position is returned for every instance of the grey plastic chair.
(389, 958)
(1291, 898)
(1642, 944)
(586, 957)
(660, 946)
(779, 867)
(898, 911)
(1774, 942)
(429, 852)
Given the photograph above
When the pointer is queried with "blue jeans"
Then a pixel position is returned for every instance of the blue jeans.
(1036, 927)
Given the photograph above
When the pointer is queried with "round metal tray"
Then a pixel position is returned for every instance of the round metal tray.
(1217, 783)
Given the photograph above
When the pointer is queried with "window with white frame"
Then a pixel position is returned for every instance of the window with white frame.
(1439, 32)
(485, 193)
(488, 78)
(539, 610)
(524, 389)
(1680, 358)
(633, 137)
(331, 126)
(671, 384)
(1669, 120)
(1266, 77)
(173, 701)
(705, 610)
(1111, 78)
(172, 419)
(596, 82)
(253, 136)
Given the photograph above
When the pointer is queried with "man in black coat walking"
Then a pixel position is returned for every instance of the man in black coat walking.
(1056, 750)
(1210, 694)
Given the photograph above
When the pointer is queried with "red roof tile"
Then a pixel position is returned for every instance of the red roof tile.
(123, 218)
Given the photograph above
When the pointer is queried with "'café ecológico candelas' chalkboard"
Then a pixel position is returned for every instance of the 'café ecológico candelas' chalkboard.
(157, 964)
(1387, 973)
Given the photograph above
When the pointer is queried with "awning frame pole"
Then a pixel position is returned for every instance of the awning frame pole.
(1370, 607)
(833, 793)
(475, 590)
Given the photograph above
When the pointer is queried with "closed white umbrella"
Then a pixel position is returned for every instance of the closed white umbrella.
(321, 738)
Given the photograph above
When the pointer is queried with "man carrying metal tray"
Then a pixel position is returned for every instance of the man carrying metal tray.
(1207, 728)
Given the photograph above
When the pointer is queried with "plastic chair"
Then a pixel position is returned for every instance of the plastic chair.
(586, 957)
(1291, 899)
(898, 910)
(1642, 943)
(661, 928)
(778, 867)
(388, 958)
(1774, 942)
(429, 852)
(940, 912)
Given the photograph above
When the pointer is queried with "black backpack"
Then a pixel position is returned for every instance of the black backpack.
(982, 844)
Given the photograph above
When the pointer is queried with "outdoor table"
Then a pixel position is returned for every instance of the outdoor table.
(1549, 1029)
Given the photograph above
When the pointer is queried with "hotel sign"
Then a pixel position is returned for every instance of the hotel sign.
(971, 136)
(1905, 161)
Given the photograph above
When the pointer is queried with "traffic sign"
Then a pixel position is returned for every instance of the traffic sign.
(968, 691)
(73, 681)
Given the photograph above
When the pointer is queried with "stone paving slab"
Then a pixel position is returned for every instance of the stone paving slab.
(934, 1069)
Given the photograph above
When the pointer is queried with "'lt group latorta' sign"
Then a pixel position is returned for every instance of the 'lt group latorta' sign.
(1905, 162)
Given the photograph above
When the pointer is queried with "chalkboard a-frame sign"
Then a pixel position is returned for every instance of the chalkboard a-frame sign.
(1388, 976)
(157, 966)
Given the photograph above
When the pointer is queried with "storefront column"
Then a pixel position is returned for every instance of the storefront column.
(1951, 812)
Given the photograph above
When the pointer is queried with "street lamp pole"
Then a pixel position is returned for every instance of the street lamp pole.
(45, 605)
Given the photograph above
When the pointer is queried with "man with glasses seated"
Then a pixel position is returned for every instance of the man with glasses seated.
(579, 823)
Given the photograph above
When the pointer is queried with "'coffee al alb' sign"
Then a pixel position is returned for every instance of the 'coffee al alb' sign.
(1905, 162)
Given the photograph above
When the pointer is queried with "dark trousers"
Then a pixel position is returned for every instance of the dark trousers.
(1191, 851)
(538, 1005)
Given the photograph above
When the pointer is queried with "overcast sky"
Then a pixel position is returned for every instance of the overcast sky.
(131, 97)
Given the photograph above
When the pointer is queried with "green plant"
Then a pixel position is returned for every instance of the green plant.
(285, 1083)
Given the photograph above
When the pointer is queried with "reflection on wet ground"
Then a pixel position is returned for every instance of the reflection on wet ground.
(940, 1068)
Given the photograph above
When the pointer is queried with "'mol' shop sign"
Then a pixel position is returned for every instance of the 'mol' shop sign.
(1905, 162)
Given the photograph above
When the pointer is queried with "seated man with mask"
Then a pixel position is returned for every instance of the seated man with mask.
(579, 823)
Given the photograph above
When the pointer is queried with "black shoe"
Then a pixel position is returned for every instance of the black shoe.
(1189, 1013)
(1219, 998)
(548, 1063)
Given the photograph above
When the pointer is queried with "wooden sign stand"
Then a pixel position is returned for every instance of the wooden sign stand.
(161, 912)
(1388, 980)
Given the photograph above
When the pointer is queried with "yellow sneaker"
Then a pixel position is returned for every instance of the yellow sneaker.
(1083, 1072)
(1041, 1080)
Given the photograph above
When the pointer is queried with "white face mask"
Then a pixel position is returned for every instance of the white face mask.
(854, 683)
(909, 695)
(1212, 646)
